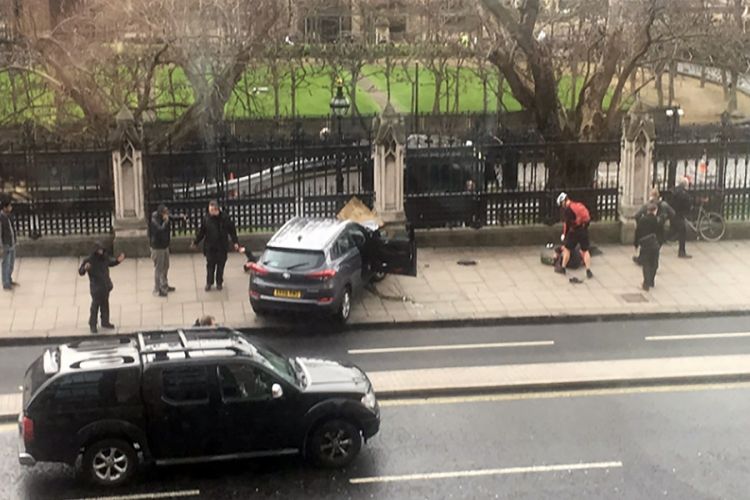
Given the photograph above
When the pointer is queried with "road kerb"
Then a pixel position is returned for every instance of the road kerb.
(534, 377)
(593, 317)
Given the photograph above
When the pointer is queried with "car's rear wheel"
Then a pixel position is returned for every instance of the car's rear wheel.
(334, 444)
(345, 308)
(109, 462)
(258, 310)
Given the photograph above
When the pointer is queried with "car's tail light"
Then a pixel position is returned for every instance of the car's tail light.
(324, 275)
(256, 268)
(27, 430)
(254, 294)
(325, 300)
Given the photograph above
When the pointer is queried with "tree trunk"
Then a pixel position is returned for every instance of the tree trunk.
(724, 84)
(703, 75)
(438, 88)
(732, 103)
(658, 82)
(672, 72)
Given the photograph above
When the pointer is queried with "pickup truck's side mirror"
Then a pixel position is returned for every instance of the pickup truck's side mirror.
(276, 391)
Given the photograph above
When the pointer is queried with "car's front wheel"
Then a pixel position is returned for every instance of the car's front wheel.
(109, 462)
(334, 444)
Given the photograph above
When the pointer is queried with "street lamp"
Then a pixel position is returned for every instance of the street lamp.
(339, 107)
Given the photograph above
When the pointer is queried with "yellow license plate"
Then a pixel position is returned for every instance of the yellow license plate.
(287, 294)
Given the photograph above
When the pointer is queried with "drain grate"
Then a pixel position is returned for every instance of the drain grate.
(633, 298)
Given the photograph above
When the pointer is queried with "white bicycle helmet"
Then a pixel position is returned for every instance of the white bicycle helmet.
(561, 199)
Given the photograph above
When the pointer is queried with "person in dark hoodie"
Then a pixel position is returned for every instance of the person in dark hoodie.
(215, 232)
(649, 235)
(100, 284)
(159, 235)
(683, 204)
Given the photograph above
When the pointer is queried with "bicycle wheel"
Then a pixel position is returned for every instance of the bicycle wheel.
(711, 226)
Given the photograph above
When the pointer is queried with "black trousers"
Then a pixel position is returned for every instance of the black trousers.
(681, 231)
(215, 268)
(649, 260)
(99, 303)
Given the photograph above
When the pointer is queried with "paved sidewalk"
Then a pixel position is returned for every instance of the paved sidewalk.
(505, 283)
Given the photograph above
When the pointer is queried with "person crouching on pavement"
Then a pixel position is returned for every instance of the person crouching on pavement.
(100, 284)
(576, 221)
(649, 234)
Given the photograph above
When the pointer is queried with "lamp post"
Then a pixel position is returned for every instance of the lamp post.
(339, 107)
(673, 114)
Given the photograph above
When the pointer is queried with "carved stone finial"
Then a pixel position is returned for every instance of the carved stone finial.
(638, 121)
(389, 127)
(126, 130)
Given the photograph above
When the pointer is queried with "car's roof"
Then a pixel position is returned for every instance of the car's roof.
(147, 347)
(307, 233)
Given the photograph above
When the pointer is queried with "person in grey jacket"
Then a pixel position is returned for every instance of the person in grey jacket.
(160, 235)
(8, 237)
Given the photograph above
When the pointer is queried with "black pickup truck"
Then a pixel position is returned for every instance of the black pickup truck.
(192, 395)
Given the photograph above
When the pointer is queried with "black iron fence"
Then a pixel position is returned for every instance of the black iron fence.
(58, 192)
(718, 171)
(261, 187)
(504, 184)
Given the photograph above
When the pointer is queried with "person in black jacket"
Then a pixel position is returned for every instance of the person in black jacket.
(100, 284)
(8, 241)
(682, 205)
(664, 212)
(649, 233)
(160, 234)
(216, 231)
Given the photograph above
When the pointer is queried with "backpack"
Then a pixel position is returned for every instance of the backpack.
(581, 212)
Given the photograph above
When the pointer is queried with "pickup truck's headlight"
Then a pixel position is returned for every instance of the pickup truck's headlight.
(369, 401)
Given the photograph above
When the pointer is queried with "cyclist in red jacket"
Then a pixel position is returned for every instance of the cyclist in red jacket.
(576, 221)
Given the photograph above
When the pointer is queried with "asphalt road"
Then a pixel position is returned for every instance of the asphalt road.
(690, 443)
(394, 348)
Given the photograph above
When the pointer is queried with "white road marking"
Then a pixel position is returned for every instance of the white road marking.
(487, 472)
(698, 336)
(452, 347)
(561, 394)
(150, 496)
(4, 428)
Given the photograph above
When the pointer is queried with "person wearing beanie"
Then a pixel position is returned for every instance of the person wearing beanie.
(97, 267)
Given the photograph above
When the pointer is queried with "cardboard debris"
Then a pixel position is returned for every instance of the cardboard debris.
(356, 211)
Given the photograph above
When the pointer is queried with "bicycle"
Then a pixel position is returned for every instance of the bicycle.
(707, 224)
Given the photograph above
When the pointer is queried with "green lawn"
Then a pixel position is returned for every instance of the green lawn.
(173, 94)
(313, 97)
(471, 91)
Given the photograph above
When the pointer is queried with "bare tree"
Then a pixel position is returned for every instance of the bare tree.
(615, 35)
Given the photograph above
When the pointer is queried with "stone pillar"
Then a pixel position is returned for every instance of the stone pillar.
(389, 158)
(127, 173)
(636, 167)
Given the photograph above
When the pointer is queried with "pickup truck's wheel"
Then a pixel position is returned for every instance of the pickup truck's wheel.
(110, 462)
(334, 444)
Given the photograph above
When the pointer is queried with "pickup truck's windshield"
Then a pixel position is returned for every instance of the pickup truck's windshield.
(279, 363)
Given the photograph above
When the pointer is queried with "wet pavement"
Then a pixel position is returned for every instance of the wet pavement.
(642, 444)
